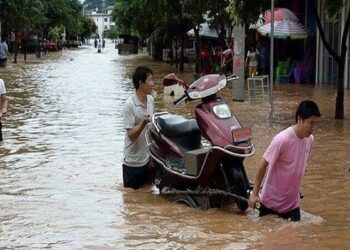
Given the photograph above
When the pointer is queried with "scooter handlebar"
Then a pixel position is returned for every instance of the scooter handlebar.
(180, 99)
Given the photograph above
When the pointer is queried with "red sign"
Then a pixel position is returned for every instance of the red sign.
(237, 62)
(241, 134)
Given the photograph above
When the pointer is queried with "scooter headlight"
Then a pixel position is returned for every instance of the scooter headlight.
(222, 111)
(222, 84)
(194, 95)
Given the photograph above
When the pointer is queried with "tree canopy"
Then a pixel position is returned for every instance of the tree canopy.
(43, 16)
(165, 20)
(93, 4)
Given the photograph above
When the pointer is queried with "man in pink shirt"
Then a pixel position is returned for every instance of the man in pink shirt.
(285, 161)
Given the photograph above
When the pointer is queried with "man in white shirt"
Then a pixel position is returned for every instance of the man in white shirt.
(4, 103)
(137, 111)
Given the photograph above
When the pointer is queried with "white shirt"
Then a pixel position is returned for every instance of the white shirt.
(2, 87)
(135, 152)
(253, 60)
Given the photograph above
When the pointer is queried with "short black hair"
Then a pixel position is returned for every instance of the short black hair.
(307, 109)
(140, 74)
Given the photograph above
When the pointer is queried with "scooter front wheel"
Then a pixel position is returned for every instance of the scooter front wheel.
(186, 200)
(240, 188)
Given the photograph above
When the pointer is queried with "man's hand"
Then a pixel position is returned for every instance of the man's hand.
(148, 118)
(253, 200)
(3, 112)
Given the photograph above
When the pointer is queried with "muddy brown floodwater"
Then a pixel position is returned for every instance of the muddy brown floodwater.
(60, 165)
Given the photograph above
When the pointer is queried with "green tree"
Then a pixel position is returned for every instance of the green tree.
(122, 15)
(219, 17)
(55, 33)
(190, 13)
(333, 11)
(93, 4)
(112, 32)
(247, 11)
(140, 18)
(68, 14)
(88, 27)
(21, 15)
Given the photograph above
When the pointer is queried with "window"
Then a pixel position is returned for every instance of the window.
(106, 19)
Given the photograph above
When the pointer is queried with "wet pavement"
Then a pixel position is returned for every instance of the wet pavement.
(60, 165)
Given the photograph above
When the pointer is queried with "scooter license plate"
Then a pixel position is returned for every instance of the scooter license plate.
(241, 134)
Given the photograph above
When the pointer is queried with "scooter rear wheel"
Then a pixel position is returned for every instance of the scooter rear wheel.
(186, 200)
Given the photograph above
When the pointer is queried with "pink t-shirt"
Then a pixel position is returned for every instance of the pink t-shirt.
(287, 156)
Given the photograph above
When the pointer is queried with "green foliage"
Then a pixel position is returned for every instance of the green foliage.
(88, 27)
(42, 15)
(93, 4)
(136, 17)
(247, 11)
(161, 19)
(55, 33)
(25, 14)
(333, 9)
(113, 33)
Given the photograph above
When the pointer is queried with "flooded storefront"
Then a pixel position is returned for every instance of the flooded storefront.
(61, 176)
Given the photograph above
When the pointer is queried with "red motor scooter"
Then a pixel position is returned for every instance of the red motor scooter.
(200, 161)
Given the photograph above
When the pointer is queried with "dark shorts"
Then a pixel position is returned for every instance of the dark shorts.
(135, 177)
(294, 214)
(3, 62)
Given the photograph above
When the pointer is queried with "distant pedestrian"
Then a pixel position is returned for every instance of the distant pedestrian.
(99, 47)
(4, 103)
(252, 61)
(103, 43)
(171, 56)
(4, 52)
(95, 42)
(12, 41)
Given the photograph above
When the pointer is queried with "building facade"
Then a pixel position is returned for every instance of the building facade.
(102, 19)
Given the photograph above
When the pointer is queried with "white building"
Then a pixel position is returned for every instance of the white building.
(102, 19)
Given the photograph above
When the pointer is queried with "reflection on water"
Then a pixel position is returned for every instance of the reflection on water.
(60, 165)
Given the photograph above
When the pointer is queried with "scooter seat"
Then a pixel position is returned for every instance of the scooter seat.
(177, 126)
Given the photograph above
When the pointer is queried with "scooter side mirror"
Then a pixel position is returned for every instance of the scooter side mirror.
(172, 79)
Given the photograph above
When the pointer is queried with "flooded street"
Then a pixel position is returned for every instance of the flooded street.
(61, 175)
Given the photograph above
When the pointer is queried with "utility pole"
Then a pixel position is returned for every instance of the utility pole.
(271, 60)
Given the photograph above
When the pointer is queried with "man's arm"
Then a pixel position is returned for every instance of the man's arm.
(4, 104)
(259, 176)
(134, 133)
